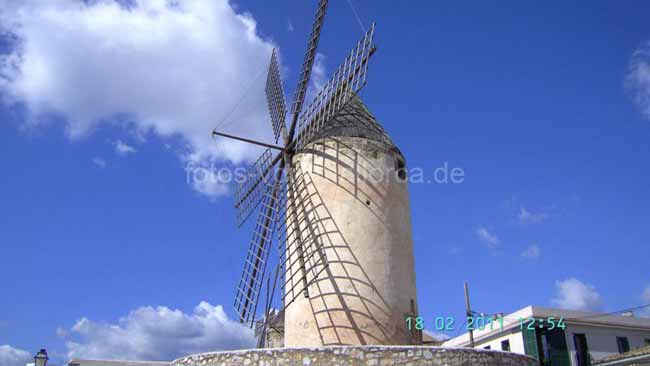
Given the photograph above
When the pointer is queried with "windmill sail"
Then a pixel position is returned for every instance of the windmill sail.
(346, 82)
(250, 284)
(301, 228)
(256, 182)
(275, 98)
(310, 54)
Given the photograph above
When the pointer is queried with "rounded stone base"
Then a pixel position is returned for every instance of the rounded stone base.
(358, 356)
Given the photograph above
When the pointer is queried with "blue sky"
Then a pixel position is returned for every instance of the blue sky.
(529, 99)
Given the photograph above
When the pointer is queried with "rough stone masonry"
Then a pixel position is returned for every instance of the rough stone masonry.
(358, 356)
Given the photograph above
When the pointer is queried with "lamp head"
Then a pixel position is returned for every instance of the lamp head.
(41, 358)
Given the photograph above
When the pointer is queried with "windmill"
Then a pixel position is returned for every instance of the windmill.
(283, 194)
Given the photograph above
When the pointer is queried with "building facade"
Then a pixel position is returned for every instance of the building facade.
(558, 337)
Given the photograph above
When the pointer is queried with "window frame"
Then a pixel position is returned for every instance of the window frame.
(623, 344)
(507, 343)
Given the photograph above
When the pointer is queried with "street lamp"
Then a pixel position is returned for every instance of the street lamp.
(41, 358)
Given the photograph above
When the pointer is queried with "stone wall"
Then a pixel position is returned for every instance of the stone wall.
(358, 356)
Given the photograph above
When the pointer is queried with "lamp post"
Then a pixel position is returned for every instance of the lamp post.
(41, 358)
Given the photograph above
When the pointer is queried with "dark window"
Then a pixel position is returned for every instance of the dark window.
(582, 350)
(646, 341)
(530, 343)
(487, 347)
(400, 167)
(505, 345)
(623, 344)
(557, 353)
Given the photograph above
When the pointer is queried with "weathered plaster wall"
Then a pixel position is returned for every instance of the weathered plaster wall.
(358, 356)
(362, 216)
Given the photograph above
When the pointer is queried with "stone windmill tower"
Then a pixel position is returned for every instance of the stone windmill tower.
(334, 199)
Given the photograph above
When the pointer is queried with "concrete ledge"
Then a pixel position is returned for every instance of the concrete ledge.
(80, 362)
(358, 356)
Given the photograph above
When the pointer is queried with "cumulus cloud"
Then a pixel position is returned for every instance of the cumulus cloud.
(122, 148)
(532, 252)
(160, 333)
(486, 237)
(437, 335)
(61, 332)
(528, 217)
(206, 179)
(10, 356)
(637, 81)
(99, 162)
(645, 297)
(318, 75)
(576, 295)
(169, 68)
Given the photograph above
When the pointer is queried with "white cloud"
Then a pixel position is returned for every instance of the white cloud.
(317, 79)
(61, 332)
(210, 185)
(437, 335)
(209, 180)
(488, 238)
(10, 356)
(122, 148)
(159, 333)
(637, 81)
(574, 294)
(532, 252)
(173, 69)
(645, 296)
(528, 217)
(99, 162)
(318, 75)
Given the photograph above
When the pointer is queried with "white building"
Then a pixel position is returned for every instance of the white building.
(577, 340)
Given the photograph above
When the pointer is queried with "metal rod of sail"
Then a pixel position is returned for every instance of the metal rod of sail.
(296, 228)
(261, 177)
(265, 233)
(254, 142)
(303, 81)
(309, 239)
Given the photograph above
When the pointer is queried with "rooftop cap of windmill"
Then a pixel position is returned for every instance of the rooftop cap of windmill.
(343, 268)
